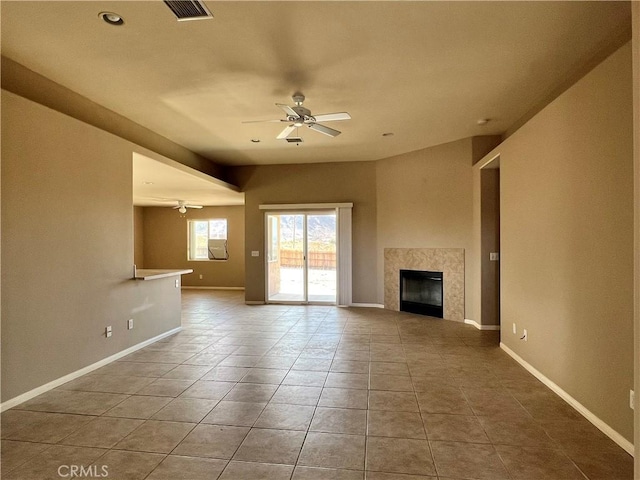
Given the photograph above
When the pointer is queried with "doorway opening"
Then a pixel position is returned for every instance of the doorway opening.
(490, 243)
(301, 256)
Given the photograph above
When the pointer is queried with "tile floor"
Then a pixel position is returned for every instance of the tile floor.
(307, 392)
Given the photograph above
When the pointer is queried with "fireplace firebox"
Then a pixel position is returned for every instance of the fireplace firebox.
(421, 292)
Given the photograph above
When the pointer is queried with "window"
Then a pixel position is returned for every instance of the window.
(200, 232)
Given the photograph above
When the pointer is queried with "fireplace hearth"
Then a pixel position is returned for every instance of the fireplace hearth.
(421, 292)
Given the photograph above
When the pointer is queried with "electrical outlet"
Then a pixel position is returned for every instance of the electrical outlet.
(515, 330)
(201, 276)
(130, 324)
(494, 256)
(255, 253)
(108, 332)
(632, 399)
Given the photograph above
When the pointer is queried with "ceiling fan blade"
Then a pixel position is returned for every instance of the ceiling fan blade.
(285, 133)
(265, 121)
(193, 206)
(323, 129)
(328, 117)
(287, 109)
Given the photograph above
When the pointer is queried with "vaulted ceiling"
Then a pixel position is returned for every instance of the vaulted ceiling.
(424, 71)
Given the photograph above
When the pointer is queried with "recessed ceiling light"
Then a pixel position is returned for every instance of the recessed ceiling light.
(387, 134)
(255, 140)
(483, 121)
(111, 18)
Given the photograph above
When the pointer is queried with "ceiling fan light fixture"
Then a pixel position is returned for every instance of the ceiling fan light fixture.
(298, 116)
(111, 18)
(182, 209)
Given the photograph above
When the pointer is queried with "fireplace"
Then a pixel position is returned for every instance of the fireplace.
(449, 261)
(421, 292)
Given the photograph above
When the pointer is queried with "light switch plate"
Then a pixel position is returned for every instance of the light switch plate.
(255, 253)
(494, 256)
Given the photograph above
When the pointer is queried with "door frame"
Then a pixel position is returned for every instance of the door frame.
(305, 268)
(343, 246)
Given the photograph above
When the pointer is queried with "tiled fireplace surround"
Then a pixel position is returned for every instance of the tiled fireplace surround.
(449, 261)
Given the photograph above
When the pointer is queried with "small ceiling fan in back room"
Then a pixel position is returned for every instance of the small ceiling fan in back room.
(298, 116)
(182, 206)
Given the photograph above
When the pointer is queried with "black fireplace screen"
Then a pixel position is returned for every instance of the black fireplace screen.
(421, 292)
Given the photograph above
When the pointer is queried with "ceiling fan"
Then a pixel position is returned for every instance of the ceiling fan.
(182, 206)
(299, 116)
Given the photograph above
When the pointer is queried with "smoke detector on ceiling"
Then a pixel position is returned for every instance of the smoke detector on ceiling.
(189, 10)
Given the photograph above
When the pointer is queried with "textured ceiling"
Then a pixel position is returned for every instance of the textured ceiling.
(425, 71)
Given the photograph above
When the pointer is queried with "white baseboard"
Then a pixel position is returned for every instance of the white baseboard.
(190, 287)
(83, 371)
(468, 321)
(367, 305)
(254, 302)
(602, 426)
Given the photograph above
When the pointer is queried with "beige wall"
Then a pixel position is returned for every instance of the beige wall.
(425, 200)
(312, 183)
(165, 245)
(67, 249)
(483, 144)
(636, 175)
(567, 241)
(20, 80)
(138, 237)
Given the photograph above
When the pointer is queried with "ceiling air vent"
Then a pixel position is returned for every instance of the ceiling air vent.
(189, 10)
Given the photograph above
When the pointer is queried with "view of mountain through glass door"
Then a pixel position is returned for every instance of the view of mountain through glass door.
(301, 257)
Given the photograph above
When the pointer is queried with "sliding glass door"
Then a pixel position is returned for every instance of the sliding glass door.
(301, 257)
(321, 257)
(286, 274)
